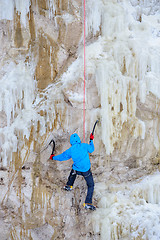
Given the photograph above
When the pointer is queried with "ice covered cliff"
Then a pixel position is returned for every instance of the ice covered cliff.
(42, 63)
(41, 79)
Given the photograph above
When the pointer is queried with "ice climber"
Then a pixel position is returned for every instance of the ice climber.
(81, 165)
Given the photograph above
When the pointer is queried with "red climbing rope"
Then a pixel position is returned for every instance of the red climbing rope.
(84, 92)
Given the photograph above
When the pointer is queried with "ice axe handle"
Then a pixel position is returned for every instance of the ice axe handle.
(53, 146)
(94, 127)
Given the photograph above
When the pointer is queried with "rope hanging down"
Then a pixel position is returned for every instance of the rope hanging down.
(84, 91)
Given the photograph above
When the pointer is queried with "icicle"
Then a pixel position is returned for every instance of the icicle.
(93, 17)
(7, 9)
(52, 8)
(22, 6)
(50, 55)
(142, 129)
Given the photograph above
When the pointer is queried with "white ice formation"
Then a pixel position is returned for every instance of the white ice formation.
(17, 95)
(125, 60)
(128, 211)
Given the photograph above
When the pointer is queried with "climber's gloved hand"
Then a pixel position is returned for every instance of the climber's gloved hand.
(91, 136)
(51, 157)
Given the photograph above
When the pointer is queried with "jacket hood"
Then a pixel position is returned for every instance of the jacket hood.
(74, 139)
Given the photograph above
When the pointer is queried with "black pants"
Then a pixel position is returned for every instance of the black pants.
(89, 181)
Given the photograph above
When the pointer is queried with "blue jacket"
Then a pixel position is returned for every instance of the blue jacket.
(78, 152)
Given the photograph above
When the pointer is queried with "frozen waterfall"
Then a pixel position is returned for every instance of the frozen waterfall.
(123, 59)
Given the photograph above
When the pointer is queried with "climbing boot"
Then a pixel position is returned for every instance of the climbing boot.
(89, 206)
(68, 188)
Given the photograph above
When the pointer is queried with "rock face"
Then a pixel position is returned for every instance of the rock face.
(42, 92)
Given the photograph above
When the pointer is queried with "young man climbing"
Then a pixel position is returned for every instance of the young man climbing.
(81, 165)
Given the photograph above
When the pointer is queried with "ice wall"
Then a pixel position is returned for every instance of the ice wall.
(24, 110)
(123, 58)
(126, 62)
(129, 211)
(17, 95)
(22, 107)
